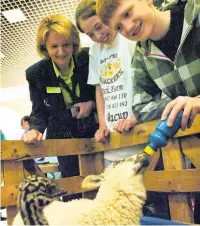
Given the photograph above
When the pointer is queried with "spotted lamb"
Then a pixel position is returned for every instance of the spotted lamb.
(119, 200)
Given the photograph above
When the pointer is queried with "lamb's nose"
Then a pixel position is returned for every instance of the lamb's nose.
(143, 158)
(142, 161)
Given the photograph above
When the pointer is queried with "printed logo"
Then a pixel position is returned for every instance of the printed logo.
(110, 69)
(117, 116)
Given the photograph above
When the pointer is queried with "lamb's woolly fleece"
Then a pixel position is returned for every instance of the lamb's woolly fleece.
(119, 200)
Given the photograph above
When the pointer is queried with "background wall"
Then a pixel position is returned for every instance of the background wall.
(10, 124)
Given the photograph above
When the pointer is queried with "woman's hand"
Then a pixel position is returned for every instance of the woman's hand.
(33, 136)
(102, 134)
(191, 107)
(125, 124)
(85, 109)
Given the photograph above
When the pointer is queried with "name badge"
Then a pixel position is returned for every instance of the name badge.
(53, 89)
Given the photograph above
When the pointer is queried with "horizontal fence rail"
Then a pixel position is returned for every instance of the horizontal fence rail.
(18, 150)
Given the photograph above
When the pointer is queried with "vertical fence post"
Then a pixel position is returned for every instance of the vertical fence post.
(91, 164)
(179, 203)
(13, 174)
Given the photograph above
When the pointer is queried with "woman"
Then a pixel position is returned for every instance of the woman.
(62, 102)
(110, 71)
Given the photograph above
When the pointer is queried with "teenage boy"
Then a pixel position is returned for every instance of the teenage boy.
(167, 58)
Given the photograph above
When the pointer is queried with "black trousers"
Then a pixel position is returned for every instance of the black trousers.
(69, 165)
(197, 209)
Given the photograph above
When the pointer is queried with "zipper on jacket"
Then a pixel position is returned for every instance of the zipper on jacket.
(183, 40)
(178, 52)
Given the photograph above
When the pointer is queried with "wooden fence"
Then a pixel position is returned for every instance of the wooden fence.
(177, 181)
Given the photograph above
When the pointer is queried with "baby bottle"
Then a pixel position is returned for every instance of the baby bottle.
(161, 135)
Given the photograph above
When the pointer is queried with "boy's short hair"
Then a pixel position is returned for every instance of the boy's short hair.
(106, 8)
(26, 118)
(85, 10)
(60, 24)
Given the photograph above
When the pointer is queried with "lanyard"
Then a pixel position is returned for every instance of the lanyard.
(72, 92)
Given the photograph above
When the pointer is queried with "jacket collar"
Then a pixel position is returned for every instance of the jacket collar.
(49, 74)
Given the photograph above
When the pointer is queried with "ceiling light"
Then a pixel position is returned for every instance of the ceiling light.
(14, 15)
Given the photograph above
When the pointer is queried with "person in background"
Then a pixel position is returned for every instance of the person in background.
(2, 135)
(110, 71)
(29, 165)
(167, 57)
(25, 124)
(62, 101)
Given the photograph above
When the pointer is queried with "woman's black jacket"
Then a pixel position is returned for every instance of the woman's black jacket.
(49, 109)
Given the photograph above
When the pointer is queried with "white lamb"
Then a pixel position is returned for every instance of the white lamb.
(119, 200)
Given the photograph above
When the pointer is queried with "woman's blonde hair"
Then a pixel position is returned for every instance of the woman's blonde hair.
(60, 24)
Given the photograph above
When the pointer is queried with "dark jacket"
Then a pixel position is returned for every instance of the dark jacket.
(49, 109)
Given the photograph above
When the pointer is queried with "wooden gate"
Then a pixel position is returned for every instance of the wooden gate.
(175, 180)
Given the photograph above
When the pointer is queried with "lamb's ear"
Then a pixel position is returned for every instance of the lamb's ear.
(92, 181)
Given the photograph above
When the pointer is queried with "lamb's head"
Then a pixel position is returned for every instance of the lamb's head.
(124, 176)
(34, 194)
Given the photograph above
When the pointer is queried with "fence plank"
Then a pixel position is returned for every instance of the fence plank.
(13, 175)
(172, 157)
(50, 167)
(191, 148)
(55, 147)
(13, 172)
(153, 161)
(87, 166)
(181, 208)
(2, 177)
(99, 162)
(9, 195)
(178, 181)
(174, 160)
(95, 163)
(71, 184)
(84, 162)
(140, 135)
